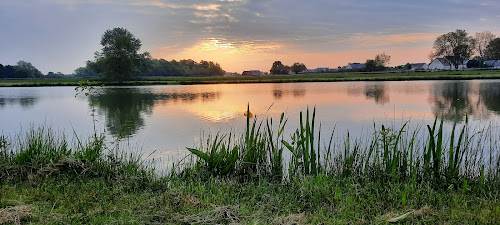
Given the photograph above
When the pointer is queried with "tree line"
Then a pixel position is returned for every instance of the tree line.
(119, 59)
(458, 46)
(22, 69)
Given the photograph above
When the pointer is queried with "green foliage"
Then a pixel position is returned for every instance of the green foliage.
(220, 160)
(298, 68)
(388, 155)
(305, 149)
(407, 66)
(279, 68)
(22, 69)
(456, 46)
(119, 54)
(493, 49)
(160, 67)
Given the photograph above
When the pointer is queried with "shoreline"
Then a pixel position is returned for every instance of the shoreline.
(300, 78)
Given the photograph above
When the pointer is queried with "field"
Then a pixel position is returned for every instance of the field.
(393, 175)
(444, 75)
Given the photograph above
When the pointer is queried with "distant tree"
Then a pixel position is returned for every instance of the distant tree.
(25, 69)
(85, 72)
(1, 71)
(279, 68)
(382, 59)
(371, 65)
(119, 54)
(407, 66)
(483, 39)
(8, 71)
(473, 63)
(298, 67)
(455, 46)
(493, 49)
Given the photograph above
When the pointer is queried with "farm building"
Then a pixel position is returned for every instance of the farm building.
(355, 66)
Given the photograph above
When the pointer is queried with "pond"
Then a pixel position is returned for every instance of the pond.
(161, 121)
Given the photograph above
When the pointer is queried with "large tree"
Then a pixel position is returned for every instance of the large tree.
(279, 68)
(493, 49)
(119, 54)
(483, 39)
(25, 69)
(382, 59)
(455, 46)
(298, 67)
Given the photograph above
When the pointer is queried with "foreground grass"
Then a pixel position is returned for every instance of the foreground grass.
(45, 180)
(443, 75)
(71, 199)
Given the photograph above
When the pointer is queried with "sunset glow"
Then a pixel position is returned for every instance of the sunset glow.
(238, 34)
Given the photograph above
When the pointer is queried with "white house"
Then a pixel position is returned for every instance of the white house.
(419, 66)
(351, 66)
(439, 64)
(463, 65)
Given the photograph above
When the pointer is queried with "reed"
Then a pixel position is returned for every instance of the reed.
(387, 155)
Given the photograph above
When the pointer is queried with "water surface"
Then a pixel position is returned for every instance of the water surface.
(162, 120)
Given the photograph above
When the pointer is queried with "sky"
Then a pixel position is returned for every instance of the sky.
(60, 35)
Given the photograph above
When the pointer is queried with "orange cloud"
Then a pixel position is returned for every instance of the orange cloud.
(237, 56)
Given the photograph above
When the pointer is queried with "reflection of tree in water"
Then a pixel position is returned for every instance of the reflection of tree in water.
(124, 108)
(451, 101)
(295, 92)
(377, 92)
(490, 96)
(25, 102)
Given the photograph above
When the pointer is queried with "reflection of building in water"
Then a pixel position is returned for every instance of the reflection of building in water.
(377, 92)
(124, 108)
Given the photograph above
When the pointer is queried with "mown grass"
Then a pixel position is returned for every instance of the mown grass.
(423, 176)
(333, 77)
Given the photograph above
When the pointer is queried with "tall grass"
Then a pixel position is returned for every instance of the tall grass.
(436, 155)
(41, 151)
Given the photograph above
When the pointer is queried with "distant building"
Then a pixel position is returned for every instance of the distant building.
(351, 66)
(252, 73)
(440, 64)
(419, 66)
(319, 70)
(230, 75)
(492, 63)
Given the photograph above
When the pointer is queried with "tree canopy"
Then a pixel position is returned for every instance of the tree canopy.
(455, 46)
(119, 54)
(279, 68)
(493, 49)
(483, 39)
(119, 59)
(22, 69)
(298, 67)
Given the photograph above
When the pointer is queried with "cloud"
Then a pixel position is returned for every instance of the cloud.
(151, 3)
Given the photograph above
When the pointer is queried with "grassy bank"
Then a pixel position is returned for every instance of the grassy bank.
(444, 75)
(260, 177)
